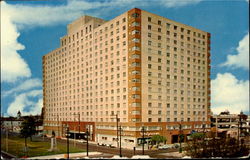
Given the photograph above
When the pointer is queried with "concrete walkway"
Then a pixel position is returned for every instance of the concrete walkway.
(71, 155)
(173, 154)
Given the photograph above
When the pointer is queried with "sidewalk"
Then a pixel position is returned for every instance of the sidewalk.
(71, 155)
(173, 154)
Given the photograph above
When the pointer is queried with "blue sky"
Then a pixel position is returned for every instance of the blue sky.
(30, 29)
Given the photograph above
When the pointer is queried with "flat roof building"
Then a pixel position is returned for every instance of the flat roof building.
(140, 68)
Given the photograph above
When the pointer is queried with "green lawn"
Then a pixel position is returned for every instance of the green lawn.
(37, 147)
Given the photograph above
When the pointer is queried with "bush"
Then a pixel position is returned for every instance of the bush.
(200, 147)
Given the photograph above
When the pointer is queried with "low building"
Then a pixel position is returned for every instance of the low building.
(11, 124)
(230, 125)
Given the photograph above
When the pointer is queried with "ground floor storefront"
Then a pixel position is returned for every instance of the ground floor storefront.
(126, 134)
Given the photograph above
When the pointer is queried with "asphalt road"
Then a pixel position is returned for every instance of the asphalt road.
(109, 152)
(5, 155)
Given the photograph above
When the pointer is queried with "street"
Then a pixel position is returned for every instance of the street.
(109, 152)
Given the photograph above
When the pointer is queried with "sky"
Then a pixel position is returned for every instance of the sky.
(30, 29)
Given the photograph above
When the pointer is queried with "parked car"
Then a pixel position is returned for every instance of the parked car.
(101, 144)
(176, 145)
(154, 147)
(164, 147)
(111, 146)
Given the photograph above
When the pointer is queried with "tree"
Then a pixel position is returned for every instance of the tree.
(158, 139)
(201, 147)
(28, 128)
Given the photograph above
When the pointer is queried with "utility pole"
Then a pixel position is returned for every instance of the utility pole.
(58, 125)
(74, 136)
(67, 135)
(7, 134)
(117, 119)
(120, 141)
(74, 131)
(143, 130)
(87, 134)
(180, 137)
(79, 125)
(117, 129)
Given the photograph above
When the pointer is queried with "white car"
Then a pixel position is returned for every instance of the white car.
(140, 157)
(164, 147)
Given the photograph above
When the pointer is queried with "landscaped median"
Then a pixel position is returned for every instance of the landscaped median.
(37, 147)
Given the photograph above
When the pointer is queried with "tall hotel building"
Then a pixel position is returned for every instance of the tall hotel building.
(143, 69)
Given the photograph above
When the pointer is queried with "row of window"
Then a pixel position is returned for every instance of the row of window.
(181, 29)
(88, 29)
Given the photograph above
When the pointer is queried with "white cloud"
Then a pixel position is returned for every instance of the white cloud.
(23, 101)
(24, 86)
(176, 3)
(227, 92)
(12, 64)
(241, 59)
(15, 17)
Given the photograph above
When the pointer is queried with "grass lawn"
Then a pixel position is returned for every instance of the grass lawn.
(37, 147)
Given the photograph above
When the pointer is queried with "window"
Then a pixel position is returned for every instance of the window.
(135, 24)
(124, 28)
(136, 96)
(149, 19)
(135, 56)
(159, 29)
(149, 27)
(159, 22)
(149, 35)
(135, 80)
(149, 43)
(149, 65)
(135, 64)
(135, 15)
(135, 72)
(168, 25)
(136, 104)
(149, 58)
(135, 32)
(149, 104)
(136, 40)
(135, 48)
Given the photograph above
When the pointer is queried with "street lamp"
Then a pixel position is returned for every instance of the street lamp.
(78, 123)
(87, 137)
(67, 136)
(120, 128)
(58, 125)
(143, 131)
(117, 120)
(180, 136)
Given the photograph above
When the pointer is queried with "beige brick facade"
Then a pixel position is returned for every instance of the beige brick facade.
(147, 69)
